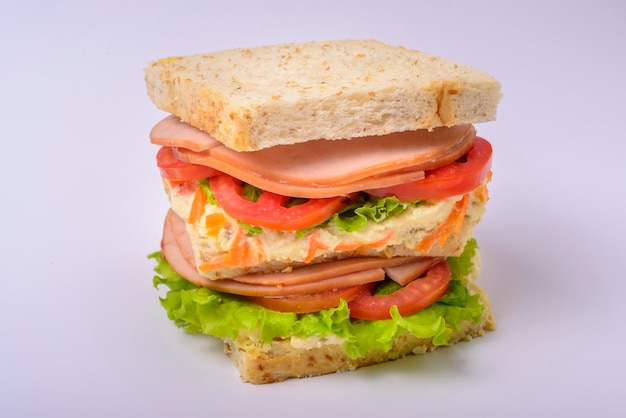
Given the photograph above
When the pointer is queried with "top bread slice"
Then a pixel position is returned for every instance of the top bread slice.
(260, 97)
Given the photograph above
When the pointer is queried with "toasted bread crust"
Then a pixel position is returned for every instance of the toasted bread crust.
(260, 97)
(260, 363)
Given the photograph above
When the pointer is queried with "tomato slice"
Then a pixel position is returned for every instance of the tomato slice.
(175, 170)
(454, 179)
(415, 296)
(269, 210)
(312, 302)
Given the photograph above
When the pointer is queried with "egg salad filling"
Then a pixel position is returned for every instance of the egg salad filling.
(225, 247)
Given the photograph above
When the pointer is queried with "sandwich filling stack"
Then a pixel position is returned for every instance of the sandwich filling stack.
(323, 200)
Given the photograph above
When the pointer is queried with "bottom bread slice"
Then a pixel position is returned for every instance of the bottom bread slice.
(260, 363)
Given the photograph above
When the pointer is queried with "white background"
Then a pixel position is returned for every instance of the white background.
(81, 331)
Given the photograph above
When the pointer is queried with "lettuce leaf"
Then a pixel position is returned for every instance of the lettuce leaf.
(200, 310)
(356, 216)
(206, 188)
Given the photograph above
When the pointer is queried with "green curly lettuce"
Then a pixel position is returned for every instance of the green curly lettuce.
(200, 310)
(369, 209)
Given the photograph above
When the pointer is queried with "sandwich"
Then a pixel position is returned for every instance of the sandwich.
(323, 198)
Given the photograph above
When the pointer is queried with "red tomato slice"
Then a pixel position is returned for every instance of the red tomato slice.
(451, 180)
(269, 210)
(313, 302)
(175, 170)
(415, 296)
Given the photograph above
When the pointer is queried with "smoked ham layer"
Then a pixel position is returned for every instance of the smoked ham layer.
(322, 168)
(176, 248)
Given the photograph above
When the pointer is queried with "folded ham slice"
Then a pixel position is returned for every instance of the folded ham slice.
(406, 273)
(322, 168)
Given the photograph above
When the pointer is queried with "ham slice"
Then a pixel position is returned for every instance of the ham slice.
(322, 168)
(172, 132)
(176, 249)
(310, 192)
(406, 273)
(324, 271)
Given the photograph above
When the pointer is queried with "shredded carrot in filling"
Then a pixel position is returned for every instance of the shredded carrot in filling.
(314, 244)
(364, 244)
(460, 216)
(453, 222)
(183, 187)
(214, 222)
(482, 192)
(241, 254)
(197, 206)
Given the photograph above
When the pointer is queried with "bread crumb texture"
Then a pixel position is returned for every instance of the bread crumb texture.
(283, 94)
